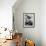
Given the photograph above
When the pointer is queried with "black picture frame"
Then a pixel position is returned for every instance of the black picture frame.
(28, 20)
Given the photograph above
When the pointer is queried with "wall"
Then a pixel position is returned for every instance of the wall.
(28, 6)
(6, 13)
(43, 22)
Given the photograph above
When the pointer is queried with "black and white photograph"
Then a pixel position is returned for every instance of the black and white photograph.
(29, 20)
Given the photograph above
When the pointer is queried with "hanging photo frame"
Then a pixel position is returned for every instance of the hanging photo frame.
(29, 20)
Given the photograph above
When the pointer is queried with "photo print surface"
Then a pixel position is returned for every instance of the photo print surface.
(29, 20)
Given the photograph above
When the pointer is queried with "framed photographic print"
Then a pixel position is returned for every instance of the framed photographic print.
(29, 20)
(13, 22)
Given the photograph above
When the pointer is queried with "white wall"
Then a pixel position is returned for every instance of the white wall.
(43, 22)
(29, 6)
(6, 13)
